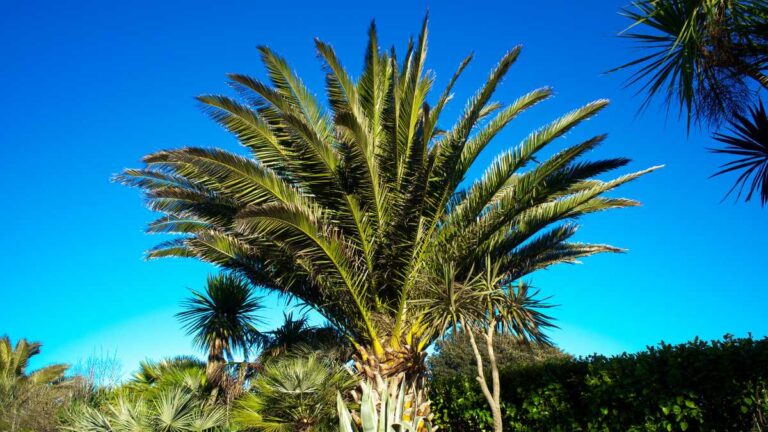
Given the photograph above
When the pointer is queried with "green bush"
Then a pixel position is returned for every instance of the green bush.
(454, 354)
(696, 386)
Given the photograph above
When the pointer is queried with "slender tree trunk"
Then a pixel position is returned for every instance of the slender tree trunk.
(497, 420)
(493, 395)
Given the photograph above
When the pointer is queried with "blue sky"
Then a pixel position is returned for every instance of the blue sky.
(88, 88)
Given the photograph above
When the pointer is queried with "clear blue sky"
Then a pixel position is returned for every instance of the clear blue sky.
(88, 88)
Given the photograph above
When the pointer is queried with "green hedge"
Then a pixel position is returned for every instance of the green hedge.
(698, 386)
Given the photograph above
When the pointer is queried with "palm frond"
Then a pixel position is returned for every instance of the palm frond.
(747, 141)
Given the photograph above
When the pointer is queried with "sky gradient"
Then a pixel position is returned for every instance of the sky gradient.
(91, 87)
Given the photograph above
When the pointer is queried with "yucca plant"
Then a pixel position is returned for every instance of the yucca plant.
(352, 208)
(389, 414)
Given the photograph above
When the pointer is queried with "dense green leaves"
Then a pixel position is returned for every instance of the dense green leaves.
(294, 393)
(698, 386)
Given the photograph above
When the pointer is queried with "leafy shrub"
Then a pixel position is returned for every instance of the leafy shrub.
(454, 355)
(696, 386)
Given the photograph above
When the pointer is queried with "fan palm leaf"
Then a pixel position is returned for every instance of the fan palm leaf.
(170, 410)
(294, 393)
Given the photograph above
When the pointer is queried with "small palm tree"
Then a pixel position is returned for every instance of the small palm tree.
(353, 208)
(294, 394)
(296, 335)
(488, 303)
(223, 320)
(709, 57)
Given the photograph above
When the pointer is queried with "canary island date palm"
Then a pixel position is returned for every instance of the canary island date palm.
(222, 320)
(353, 207)
(708, 57)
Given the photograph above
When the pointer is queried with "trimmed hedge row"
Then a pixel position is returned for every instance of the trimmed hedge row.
(697, 386)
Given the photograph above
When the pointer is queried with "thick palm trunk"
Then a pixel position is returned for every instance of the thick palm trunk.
(214, 370)
(215, 365)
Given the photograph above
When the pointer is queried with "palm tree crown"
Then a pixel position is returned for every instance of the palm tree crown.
(701, 54)
(353, 208)
(223, 318)
(14, 361)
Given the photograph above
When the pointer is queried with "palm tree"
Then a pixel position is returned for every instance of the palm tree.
(352, 209)
(22, 392)
(222, 320)
(709, 57)
(294, 393)
(296, 335)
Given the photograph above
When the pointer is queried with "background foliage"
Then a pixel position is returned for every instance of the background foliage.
(696, 386)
